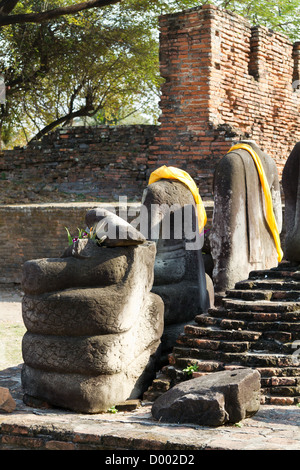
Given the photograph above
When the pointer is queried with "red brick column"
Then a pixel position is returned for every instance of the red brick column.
(224, 81)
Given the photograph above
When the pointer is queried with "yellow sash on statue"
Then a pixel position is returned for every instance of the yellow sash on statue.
(267, 193)
(170, 172)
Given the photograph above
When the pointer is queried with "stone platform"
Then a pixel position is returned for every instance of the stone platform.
(134, 432)
(257, 325)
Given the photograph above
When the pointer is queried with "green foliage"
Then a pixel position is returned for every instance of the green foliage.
(191, 368)
(238, 425)
(81, 234)
(100, 60)
(279, 15)
(112, 409)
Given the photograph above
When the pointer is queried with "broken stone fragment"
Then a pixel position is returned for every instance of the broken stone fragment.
(211, 400)
(114, 230)
(7, 403)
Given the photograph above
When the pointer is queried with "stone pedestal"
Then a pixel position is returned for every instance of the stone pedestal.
(93, 327)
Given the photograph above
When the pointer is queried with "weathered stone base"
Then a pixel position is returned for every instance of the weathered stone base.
(84, 394)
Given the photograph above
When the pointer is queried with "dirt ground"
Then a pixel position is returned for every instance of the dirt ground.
(12, 328)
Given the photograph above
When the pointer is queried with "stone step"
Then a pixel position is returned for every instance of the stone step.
(207, 320)
(159, 386)
(268, 343)
(282, 332)
(260, 306)
(268, 399)
(224, 323)
(285, 391)
(251, 358)
(214, 345)
(274, 372)
(251, 295)
(280, 382)
(265, 284)
(269, 375)
(220, 334)
(268, 325)
(256, 295)
(288, 295)
(279, 336)
(263, 316)
(205, 366)
(283, 327)
(288, 275)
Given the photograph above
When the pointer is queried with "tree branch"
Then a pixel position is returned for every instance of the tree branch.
(80, 112)
(51, 14)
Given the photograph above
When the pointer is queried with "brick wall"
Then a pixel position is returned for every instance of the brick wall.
(34, 231)
(104, 161)
(223, 81)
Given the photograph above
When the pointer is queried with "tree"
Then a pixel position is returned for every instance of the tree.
(77, 65)
(67, 68)
(279, 15)
(31, 16)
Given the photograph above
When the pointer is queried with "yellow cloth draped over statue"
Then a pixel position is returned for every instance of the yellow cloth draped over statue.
(267, 193)
(170, 172)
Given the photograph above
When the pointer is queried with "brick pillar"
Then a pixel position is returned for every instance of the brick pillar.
(257, 64)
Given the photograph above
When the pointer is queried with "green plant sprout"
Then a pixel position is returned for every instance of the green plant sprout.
(112, 409)
(191, 368)
(81, 234)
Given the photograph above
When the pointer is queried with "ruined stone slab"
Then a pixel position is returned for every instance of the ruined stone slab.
(113, 229)
(211, 400)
